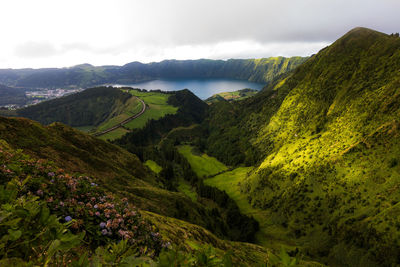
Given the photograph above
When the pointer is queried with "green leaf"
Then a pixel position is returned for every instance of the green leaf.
(14, 234)
(285, 258)
(44, 214)
(53, 249)
(84, 260)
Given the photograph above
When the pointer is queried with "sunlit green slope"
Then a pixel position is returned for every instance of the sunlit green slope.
(327, 141)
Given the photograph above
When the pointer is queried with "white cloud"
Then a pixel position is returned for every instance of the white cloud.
(48, 33)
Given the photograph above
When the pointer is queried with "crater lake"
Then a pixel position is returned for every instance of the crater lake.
(203, 88)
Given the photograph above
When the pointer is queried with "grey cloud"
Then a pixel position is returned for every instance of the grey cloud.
(193, 22)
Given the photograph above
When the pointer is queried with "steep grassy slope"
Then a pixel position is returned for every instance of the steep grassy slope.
(129, 109)
(258, 70)
(327, 137)
(52, 217)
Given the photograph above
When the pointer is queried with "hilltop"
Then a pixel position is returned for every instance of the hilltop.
(324, 139)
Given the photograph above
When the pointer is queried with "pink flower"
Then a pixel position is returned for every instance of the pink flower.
(97, 213)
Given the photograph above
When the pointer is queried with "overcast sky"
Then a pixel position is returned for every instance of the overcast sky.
(59, 33)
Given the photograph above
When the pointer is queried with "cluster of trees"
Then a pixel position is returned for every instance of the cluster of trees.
(226, 217)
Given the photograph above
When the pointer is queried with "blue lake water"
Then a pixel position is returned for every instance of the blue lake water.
(203, 88)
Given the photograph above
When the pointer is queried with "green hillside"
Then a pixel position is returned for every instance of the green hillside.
(98, 109)
(52, 217)
(158, 107)
(10, 95)
(88, 108)
(326, 141)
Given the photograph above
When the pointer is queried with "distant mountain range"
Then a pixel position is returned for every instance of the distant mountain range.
(261, 70)
(10, 95)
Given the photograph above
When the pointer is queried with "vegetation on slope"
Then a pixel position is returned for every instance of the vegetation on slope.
(258, 70)
(326, 136)
(202, 164)
(52, 217)
(10, 95)
(190, 110)
(158, 107)
(122, 174)
(232, 96)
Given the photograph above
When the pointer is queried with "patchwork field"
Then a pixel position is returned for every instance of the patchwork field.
(132, 107)
(157, 107)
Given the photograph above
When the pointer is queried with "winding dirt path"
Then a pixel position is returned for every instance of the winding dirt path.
(125, 121)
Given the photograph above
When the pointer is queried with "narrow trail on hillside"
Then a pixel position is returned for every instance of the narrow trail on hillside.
(124, 121)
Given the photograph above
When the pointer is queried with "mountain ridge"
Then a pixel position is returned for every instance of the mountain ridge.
(325, 139)
(85, 75)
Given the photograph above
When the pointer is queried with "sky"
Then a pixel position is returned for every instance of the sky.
(63, 33)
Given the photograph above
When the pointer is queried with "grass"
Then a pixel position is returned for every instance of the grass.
(132, 107)
(117, 133)
(269, 235)
(157, 107)
(85, 129)
(185, 188)
(203, 165)
(153, 166)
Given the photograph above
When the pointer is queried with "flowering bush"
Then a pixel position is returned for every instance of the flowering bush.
(29, 233)
(77, 202)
